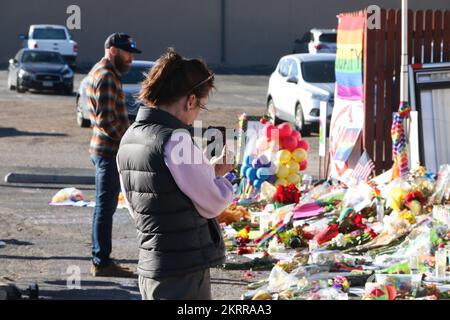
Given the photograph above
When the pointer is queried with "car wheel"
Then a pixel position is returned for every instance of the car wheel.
(271, 111)
(81, 121)
(300, 121)
(20, 89)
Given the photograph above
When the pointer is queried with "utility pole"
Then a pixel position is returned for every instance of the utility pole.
(222, 32)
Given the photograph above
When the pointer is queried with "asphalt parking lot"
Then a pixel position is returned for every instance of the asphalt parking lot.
(48, 245)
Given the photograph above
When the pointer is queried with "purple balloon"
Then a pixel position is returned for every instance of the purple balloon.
(272, 179)
(264, 161)
(256, 164)
(267, 165)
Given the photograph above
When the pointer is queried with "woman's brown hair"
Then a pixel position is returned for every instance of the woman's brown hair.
(173, 77)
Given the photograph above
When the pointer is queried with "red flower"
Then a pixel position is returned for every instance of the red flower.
(331, 231)
(371, 232)
(287, 194)
(357, 219)
(377, 293)
(415, 196)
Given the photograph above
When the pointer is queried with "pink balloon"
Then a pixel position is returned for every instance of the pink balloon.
(269, 130)
(303, 165)
(289, 143)
(296, 135)
(285, 130)
(302, 144)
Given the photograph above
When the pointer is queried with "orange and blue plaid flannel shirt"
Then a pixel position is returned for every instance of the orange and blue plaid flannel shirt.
(108, 112)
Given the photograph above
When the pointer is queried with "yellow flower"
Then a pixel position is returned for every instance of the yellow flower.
(345, 284)
(407, 215)
(422, 171)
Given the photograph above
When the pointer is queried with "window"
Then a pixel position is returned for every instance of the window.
(318, 71)
(42, 57)
(49, 33)
(293, 70)
(328, 37)
(136, 75)
(284, 68)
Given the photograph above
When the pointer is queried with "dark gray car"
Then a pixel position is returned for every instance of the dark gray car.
(40, 70)
(131, 86)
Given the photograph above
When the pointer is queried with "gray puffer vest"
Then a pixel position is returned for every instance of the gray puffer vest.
(174, 239)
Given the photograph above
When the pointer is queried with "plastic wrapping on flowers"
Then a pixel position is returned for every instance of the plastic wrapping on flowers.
(331, 238)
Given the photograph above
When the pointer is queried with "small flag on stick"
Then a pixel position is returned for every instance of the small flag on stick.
(363, 169)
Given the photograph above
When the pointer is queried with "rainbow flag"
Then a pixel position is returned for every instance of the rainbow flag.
(349, 57)
(347, 142)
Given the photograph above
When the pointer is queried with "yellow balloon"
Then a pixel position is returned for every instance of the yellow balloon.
(281, 181)
(283, 156)
(293, 178)
(283, 171)
(293, 166)
(299, 155)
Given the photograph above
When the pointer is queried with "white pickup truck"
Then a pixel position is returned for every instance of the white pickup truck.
(54, 38)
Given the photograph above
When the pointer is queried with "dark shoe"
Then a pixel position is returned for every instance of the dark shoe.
(112, 270)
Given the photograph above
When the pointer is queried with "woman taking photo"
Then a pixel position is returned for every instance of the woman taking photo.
(173, 192)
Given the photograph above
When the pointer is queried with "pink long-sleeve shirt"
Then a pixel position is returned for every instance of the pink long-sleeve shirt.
(195, 176)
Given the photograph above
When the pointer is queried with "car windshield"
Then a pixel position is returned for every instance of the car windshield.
(328, 37)
(49, 33)
(318, 71)
(42, 57)
(136, 75)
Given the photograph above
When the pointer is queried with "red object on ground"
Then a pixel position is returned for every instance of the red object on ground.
(331, 231)
(343, 267)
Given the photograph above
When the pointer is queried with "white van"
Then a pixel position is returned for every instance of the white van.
(54, 38)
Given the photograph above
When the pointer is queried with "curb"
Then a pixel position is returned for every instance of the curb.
(48, 179)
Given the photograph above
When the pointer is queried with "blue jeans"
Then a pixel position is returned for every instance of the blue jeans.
(107, 188)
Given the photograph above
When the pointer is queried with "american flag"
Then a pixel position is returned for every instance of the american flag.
(364, 168)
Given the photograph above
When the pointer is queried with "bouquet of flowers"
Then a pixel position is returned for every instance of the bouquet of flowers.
(243, 240)
(351, 221)
(349, 240)
(295, 237)
(339, 283)
(286, 194)
(414, 201)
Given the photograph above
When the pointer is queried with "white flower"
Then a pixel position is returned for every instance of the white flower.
(339, 240)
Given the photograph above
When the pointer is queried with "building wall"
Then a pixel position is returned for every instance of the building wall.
(253, 32)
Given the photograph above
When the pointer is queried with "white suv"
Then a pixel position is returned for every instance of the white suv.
(317, 41)
(53, 38)
(297, 87)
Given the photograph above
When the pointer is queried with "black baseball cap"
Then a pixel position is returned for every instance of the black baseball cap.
(121, 41)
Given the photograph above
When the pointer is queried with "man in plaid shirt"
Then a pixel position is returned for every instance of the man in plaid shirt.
(109, 117)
